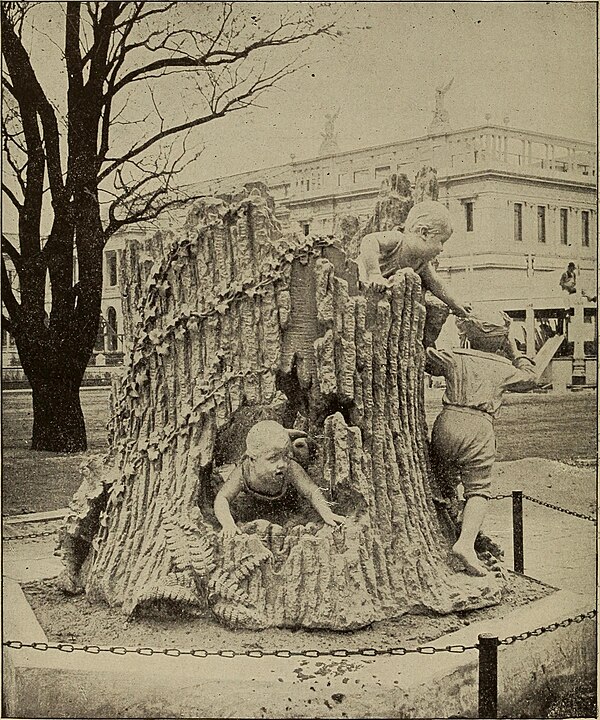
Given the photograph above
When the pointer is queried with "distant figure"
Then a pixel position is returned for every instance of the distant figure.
(382, 254)
(568, 280)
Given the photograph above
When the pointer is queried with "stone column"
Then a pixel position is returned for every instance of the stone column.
(576, 335)
(530, 329)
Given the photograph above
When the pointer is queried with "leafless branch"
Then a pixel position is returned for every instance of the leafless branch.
(8, 297)
(12, 252)
(7, 324)
(12, 197)
(286, 33)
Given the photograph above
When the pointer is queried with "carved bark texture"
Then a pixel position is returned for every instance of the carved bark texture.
(234, 312)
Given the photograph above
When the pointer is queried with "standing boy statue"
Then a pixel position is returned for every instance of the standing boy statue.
(463, 443)
(270, 475)
(382, 254)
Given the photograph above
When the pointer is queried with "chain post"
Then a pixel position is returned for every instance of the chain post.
(488, 675)
(517, 522)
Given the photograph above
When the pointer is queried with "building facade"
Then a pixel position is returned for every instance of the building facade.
(523, 206)
(520, 202)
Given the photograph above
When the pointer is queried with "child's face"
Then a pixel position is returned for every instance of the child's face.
(434, 239)
(272, 462)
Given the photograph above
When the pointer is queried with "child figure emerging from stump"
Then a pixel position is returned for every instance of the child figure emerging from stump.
(382, 254)
(273, 479)
(463, 443)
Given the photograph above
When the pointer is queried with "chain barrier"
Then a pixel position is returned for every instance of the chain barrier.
(340, 653)
(562, 510)
(44, 533)
(548, 628)
(198, 653)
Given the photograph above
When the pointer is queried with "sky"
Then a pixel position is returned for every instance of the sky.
(533, 63)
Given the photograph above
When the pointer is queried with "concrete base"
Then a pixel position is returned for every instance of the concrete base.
(56, 684)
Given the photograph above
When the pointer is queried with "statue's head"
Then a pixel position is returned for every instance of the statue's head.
(486, 330)
(431, 222)
(269, 449)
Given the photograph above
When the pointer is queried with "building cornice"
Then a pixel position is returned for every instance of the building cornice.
(529, 178)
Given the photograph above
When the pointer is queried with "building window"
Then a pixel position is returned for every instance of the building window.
(111, 330)
(111, 268)
(518, 222)
(469, 216)
(307, 185)
(361, 175)
(342, 179)
(306, 228)
(585, 228)
(382, 172)
(564, 226)
(541, 217)
(99, 346)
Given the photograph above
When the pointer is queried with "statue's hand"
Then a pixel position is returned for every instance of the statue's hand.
(296, 434)
(333, 519)
(463, 310)
(230, 530)
(378, 282)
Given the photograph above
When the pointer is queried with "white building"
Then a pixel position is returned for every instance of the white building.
(523, 205)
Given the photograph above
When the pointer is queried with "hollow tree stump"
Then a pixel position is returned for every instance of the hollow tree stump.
(237, 317)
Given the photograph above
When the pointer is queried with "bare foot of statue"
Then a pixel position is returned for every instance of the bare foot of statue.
(469, 559)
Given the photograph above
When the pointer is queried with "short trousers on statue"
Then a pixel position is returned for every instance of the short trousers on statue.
(463, 450)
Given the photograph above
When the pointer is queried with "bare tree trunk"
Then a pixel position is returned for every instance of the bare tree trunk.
(234, 313)
(58, 423)
(54, 359)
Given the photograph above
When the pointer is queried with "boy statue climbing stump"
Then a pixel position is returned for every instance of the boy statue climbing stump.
(382, 254)
(463, 443)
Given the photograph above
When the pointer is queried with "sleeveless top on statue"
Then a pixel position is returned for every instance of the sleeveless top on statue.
(390, 262)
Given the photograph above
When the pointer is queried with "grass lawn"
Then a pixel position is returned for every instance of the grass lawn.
(530, 425)
(32, 480)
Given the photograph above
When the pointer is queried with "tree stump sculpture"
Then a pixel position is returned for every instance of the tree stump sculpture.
(236, 322)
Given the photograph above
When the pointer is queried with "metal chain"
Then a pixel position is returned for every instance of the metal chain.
(547, 628)
(562, 510)
(341, 653)
(500, 497)
(174, 652)
(44, 533)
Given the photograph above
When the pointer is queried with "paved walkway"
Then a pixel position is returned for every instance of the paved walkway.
(559, 549)
(30, 558)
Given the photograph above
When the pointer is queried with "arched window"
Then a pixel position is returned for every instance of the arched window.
(111, 330)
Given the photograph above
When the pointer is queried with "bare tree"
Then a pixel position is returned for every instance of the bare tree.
(93, 166)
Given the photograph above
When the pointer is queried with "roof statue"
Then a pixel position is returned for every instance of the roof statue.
(329, 144)
(441, 117)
